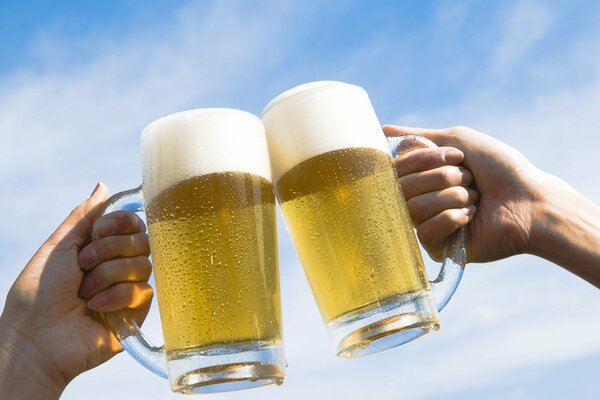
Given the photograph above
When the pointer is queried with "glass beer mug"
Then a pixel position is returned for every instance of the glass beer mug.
(208, 197)
(343, 206)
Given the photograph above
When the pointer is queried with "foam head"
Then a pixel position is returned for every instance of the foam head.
(316, 118)
(199, 142)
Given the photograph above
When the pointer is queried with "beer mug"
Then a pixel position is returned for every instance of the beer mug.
(339, 194)
(210, 207)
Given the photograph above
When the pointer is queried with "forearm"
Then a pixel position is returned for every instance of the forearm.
(22, 375)
(566, 230)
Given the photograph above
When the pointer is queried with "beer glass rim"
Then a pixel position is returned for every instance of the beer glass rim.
(211, 112)
(304, 88)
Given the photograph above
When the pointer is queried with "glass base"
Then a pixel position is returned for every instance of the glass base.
(380, 327)
(226, 369)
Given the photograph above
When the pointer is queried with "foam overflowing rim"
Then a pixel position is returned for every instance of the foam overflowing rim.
(305, 87)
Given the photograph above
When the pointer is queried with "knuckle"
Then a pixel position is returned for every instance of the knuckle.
(139, 268)
(78, 211)
(460, 194)
(135, 222)
(100, 275)
(123, 222)
(139, 223)
(401, 165)
(146, 267)
(437, 156)
(448, 175)
(109, 245)
(133, 219)
(447, 216)
(415, 208)
(135, 269)
(455, 130)
(126, 221)
(409, 189)
(143, 243)
(123, 291)
(459, 129)
(452, 219)
(434, 232)
(110, 215)
(128, 269)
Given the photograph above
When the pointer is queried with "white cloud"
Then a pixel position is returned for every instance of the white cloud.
(73, 124)
(68, 125)
(526, 23)
(556, 129)
(452, 15)
(527, 323)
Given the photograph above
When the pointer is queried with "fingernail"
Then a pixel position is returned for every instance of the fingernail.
(96, 188)
(99, 301)
(470, 211)
(87, 287)
(453, 156)
(87, 257)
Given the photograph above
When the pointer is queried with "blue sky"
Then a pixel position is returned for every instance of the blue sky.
(80, 80)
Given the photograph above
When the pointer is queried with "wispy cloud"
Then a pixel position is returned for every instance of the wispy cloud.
(71, 120)
(524, 25)
(68, 124)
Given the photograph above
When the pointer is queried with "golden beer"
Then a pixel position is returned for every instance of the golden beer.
(207, 191)
(343, 206)
(215, 262)
(345, 212)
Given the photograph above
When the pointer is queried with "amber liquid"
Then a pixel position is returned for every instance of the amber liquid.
(214, 250)
(348, 219)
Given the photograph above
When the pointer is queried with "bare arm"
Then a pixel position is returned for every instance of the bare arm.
(567, 229)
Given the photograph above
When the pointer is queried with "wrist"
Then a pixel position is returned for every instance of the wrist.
(566, 229)
(544, 216)
(24, 373)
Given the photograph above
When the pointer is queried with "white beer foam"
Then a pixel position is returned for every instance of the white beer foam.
(316, 118)
(203, 141)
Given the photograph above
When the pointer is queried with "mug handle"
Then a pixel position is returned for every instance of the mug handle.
(455, 251)
(120, 322)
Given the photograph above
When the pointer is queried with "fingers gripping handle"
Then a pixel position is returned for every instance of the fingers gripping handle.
(455, 253)
(122, 325)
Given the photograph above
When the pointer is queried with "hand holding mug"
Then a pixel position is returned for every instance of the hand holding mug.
(521, 209)
(48, 335)
(338, 190)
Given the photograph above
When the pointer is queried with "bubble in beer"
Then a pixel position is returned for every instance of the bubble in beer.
(366, 233)
(206, 215)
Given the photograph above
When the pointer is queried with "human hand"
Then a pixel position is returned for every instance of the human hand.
(521, 209)
(437, 192)
(48, 334)
(505, 180)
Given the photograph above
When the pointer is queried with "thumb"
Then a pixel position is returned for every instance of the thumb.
(76, 229)
(472, 143)
(442, 137)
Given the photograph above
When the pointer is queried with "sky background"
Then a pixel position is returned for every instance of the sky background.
(80, 80)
